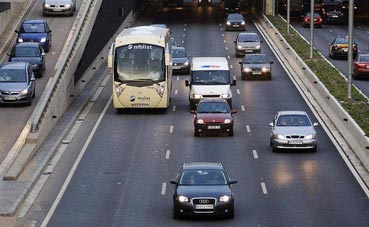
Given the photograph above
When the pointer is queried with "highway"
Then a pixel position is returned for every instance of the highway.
(124, 162)
(14, 118)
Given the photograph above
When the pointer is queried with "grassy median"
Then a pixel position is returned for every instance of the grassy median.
(357, 107)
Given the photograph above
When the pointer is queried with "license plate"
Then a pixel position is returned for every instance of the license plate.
(236, 25)
(176, 67)
(10, 98)
(57, 10)
(256, 73)
(345, 49)
(295, 142)
(249, 51)
(214, 127)
(204, 206)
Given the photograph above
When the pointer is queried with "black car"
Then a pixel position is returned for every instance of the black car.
(17, 83)
(235, 21)
(334, 16)
(203, 188)
(181, 61)
(256, 66)
(32, 53)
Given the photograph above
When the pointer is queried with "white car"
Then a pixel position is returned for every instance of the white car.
(59, 7)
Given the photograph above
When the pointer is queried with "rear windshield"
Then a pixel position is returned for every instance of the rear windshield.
(27, 52)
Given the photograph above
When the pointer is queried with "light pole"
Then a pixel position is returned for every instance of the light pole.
(288, 16)
(311, 28)
(350, 48)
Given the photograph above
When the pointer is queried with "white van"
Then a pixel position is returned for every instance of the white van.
(210, 78)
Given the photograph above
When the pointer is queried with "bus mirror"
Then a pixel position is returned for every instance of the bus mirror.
(234, 83)
(167, 59)
(187, 83)
(110, 56)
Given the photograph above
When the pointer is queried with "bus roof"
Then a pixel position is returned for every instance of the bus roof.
(209, 63)
(143, 34)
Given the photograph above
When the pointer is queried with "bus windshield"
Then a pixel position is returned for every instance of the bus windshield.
(211, 77)
(139, 62)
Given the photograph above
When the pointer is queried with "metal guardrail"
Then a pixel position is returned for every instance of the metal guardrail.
(47, 96)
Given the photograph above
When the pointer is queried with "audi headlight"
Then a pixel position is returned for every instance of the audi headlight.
(196, 96)
(43, 39)
(226, 95)
(247, 70)
(239, 47)
(310, 136)
(243, 23)
(24, 91)
(227, 121)
(258, 47)
(47, 5)
(119, 90)
(182, 199)
(68, 6)
(264, 70)
(228, 23)
(224, 198)
(160, 90)
(279, 136)
(186, 63)
(200, 121)
(20, 40)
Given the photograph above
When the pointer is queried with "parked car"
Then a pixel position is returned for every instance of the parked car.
(213, 115)
(17, 83)
(318, 21)
(256, 66)
(339, 48)
(181, 61)
(247, 42)
(35, 31)
(32, 53)
(235, 21)
(361, 66)
(292, 130)
(59, 7)
(203, 189)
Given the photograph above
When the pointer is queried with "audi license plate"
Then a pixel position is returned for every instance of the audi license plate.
(176, 67)
(295, 142)
(236, 25)
(214, 127)
(204, 206)
(10, 98)
(256, 72)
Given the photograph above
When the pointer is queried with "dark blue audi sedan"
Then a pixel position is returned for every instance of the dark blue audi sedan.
(35, 31)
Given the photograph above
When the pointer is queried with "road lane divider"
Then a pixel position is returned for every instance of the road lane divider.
(255, 153)
(163, 188)
(263, 188)
(167, 154)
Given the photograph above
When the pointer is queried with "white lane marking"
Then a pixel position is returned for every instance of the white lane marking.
(163, 188)
(177, 78)
(330, 30)
(73, 131)
(97, 94)
(167, 154)
(225, 41)
(238, 91)
(255, 153)
(234, 77)
(229, 57)
(243, 108)
(184, 29)
(248, 128)
(182, 41)
(171, 129)
(220, 24)
(226, 48)
(174, 108)
(263, 187)
(367, 32)
(222, 34)
(184, 35)
(85, 111)
(231, 66)
(75, 165)
(176, 92)
(105, 81)
(185, 25)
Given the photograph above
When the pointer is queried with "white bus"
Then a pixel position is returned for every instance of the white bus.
(140, 60)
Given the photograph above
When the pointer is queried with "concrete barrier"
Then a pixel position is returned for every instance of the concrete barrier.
(344, 123)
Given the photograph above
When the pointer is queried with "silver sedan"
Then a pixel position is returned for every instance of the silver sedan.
(292, 130)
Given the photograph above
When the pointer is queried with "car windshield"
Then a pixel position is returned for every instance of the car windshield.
(203, 177)
(213, 107)
(364, 58)
(248, 38)
(179, 53)
(210, 77)
(174, 42)
(27, 52)
(293, 120)
(255, 59)
(33, 28)
(341, 41)
(235, 17)
(12, 75)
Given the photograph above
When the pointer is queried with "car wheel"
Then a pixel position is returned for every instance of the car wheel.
(196, 133)
(269, 77)
(230, 133)
(274, 149)
(314, 149)
(176, 214)
(243, 77)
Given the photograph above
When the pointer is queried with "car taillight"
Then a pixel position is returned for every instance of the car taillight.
(335, 47)
(306, 19)
(355, 47)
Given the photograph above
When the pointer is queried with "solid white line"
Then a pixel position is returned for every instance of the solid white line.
(171, 129)
(263, 187)
(242, 107)
(174, 108)
(248, 128)
(176, 92)
(167, 154)
(74, 167)
(255, 154)
(163, 188)
(238, 91)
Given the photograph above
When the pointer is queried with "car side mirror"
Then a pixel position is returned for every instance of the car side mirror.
(272, 62)
(234, 111)
(8, 54)
(235, 42)
(16, 31)
(240, 62)
(261, 41)
(174, 182)
(193, 111)
(233, 181)
(271, 124)
(187, 83)
(315, 124)
(234, 82)
(49, 31)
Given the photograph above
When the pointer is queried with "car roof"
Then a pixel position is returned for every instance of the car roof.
(202, 165)
(247, 33)
(28, 44)
(13, 65)
(292, 112)
(209, 63)
(33, 21)
(178, 48)
(212, 100)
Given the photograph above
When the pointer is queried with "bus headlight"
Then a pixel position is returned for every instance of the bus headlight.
(196, 96)
(119, 90)
(160, 90)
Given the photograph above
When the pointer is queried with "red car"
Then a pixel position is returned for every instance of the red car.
(318, 20)
(360, 66)
(213, 115)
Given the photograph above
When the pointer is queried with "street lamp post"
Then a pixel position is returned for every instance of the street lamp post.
(288, 16)
(350, 48)
(311, 28)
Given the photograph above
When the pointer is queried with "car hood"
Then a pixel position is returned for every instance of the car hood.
(293, 130)
(211, 89)
(13, 86)
(35, 37)
(214, 117)
(204, 191)
(31, 60)
(248, 44)
(179, 60)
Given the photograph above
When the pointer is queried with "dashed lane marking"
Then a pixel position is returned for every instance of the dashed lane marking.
(171, 129)
(177, 78)
(248, 128)
(163, 188)
(255, 153)
(243, 108)
(176, 92)
(174, 108)
(238, 91)
(167, 154)
(263, 187)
